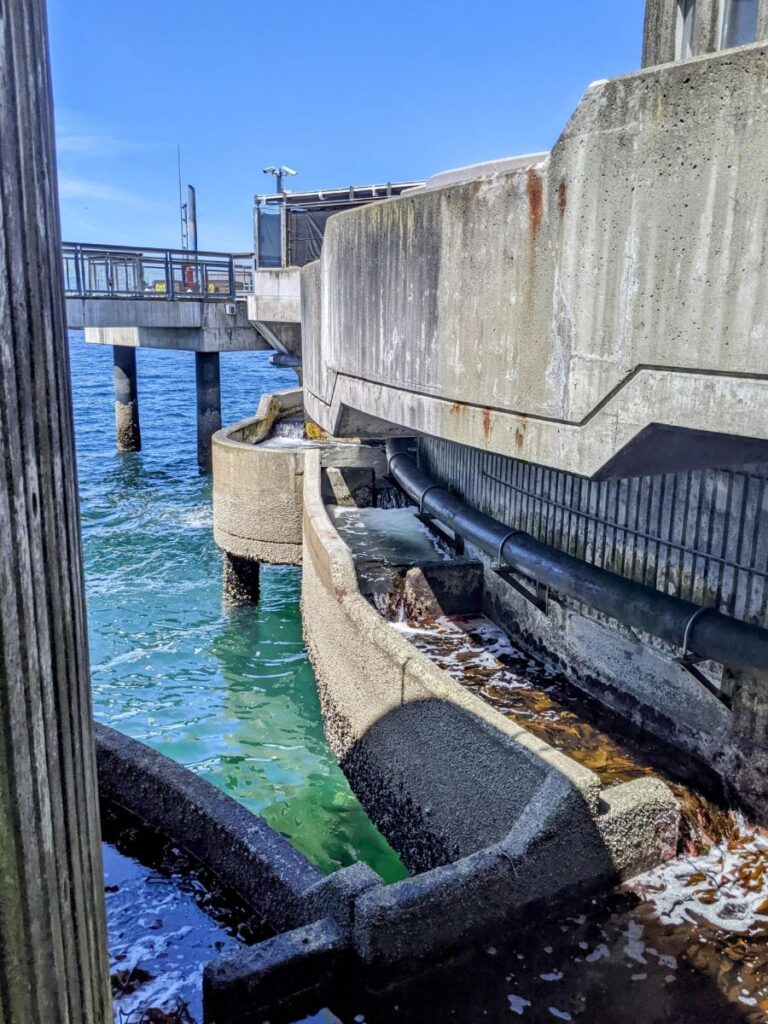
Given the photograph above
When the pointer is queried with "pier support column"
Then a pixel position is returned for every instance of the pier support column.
(208, 405)
(241, 580)
(53, 947)
(127, 427)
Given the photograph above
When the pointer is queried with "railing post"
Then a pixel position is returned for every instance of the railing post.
(78, 271)
(53, 945)
(169, 290)
(232, 283)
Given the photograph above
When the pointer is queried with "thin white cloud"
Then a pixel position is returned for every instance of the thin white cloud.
(88, 191)
(93, 145)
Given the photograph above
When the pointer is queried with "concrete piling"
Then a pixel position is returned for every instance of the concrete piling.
(127, 428)
(53, 947)
(241, 580)
(208, 405)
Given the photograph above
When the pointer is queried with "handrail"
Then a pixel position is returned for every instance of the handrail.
(98, 247)
(92, 270)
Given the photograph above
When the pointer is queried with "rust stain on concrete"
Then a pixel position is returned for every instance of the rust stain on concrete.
(487, 425)
(535, 202)
(457, 408)
(562, 197)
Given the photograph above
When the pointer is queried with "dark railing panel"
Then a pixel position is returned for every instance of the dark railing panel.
(120, 272)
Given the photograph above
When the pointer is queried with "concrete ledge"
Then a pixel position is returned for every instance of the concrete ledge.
(257, 492)
(441, 772)
(441, 909)
(288, 973)
(188, 325)
(247, 855)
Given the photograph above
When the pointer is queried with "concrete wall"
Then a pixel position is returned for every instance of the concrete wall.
(257, 492)
(559, 312)
(661, 35)
(276, 296)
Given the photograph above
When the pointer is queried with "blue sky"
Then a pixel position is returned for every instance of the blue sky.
(346, 93)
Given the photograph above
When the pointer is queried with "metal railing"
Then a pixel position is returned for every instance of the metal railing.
(122, 272)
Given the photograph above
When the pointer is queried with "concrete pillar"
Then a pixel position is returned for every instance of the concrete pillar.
(208, 405)
(127, 427)
(241, 580)
(53, 962)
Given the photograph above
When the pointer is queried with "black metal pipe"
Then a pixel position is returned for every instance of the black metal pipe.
(706, 632)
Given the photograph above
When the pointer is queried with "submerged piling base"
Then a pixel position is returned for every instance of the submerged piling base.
(127, 429)
(241, 580)
(208, 405)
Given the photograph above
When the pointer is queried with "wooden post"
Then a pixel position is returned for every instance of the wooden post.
(53, 957)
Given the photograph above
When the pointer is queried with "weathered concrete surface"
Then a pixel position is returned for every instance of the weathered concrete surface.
(291, 975)
(441, 772)
(661, 34)
(184, 324)
(257, 492)
(241, 580)
(559, 311)
(53, 943)
(127, 428)
(524, 874)
(276, 296)
(258, 488)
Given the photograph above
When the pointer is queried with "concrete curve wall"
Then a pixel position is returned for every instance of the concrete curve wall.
(253, 860)
(441, 772)
(257, 492)
(559, 311)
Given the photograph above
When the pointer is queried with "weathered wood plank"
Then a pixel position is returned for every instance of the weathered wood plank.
(53, 966)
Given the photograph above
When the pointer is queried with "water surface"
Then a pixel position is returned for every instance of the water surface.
(229, 693)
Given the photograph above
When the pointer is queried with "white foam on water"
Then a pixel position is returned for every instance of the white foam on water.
(725, 888)
(518, 1005)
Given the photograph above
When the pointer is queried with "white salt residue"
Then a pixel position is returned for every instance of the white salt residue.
(552, 976)
(726, 888)
(517, 1004)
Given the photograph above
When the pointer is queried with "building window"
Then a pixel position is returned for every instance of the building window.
(686, 18)
(739, 23)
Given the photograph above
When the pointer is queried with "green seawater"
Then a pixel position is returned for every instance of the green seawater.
(228, 692)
